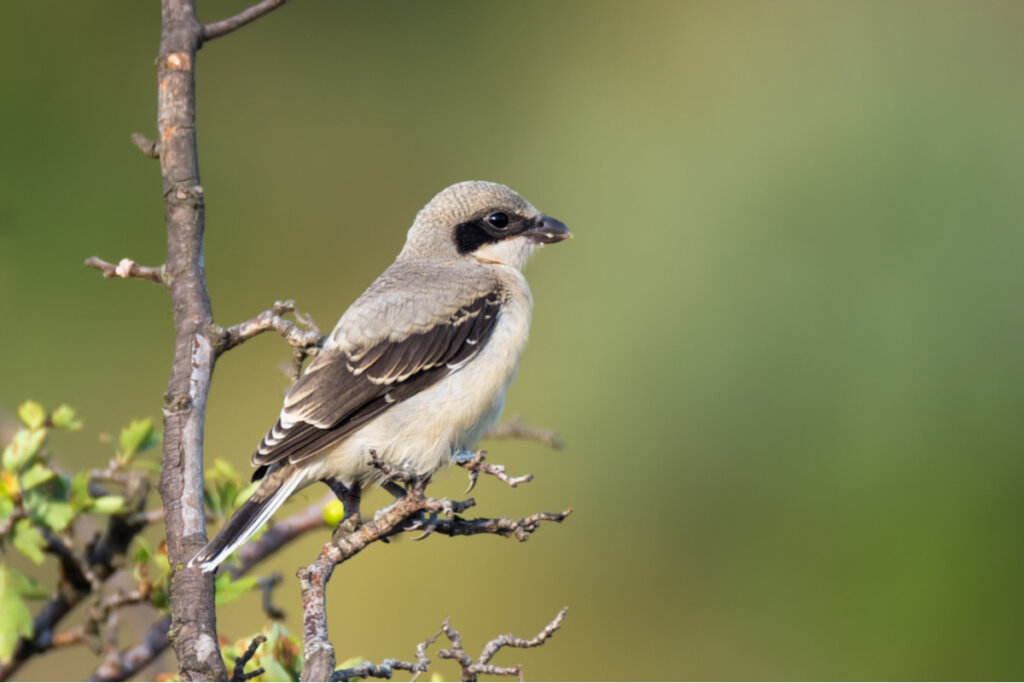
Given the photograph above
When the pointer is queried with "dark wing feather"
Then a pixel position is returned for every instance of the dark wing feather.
(343, 389)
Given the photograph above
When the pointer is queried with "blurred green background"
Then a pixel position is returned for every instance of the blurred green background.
(785, 348)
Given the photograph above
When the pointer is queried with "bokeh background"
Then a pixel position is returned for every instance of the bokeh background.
(785, 349)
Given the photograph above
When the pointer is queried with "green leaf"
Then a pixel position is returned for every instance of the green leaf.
(136, 437)
(32, 414)
(15, 619)
(59, 515)
(229, 590)
(108, 505)
(36, 475)
(224, 469)
(66, 418)
(26, 586)
(80, 490)
(48, 512)
(161, 599)
(28, 540)
(23, 448)
(274, 670)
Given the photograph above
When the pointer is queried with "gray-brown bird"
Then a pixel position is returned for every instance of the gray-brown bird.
(417, 368)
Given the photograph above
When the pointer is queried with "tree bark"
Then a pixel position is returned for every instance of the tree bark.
(193, 617)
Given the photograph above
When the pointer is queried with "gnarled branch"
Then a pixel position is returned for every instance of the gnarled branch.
(413, 511)
(471, 670)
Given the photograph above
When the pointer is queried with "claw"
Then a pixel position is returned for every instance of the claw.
(429, 529)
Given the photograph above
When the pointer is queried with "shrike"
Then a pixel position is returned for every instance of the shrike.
(417, 368)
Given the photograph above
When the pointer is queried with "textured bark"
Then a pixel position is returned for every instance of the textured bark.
(193, 617)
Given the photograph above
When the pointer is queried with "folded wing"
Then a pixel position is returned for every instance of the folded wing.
(348, 385)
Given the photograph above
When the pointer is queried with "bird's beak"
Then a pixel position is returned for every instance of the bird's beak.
(547, 230)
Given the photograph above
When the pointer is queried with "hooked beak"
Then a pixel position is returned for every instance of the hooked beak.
(547, 230)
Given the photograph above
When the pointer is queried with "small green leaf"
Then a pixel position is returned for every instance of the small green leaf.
(108, 505)
(224, 469)
(274, 670)
(49, 513)
(161, 599)
(24, 447)
(36, 475)
(65, 418)
(59, 515)
(229, 590)
(15, 618)
(32, 414)
(28, 540)
(136, 437)
(27, 587)
(80, 491)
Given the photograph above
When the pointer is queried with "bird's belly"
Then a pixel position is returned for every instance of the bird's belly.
(421, 433)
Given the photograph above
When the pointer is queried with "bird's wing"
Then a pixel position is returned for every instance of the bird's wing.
(358, 376)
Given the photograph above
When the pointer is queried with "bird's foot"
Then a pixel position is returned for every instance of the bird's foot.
(462, 456)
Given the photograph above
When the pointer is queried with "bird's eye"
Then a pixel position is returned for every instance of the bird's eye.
(498, 220)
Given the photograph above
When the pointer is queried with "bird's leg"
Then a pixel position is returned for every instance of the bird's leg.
(394, 489)
(350, 497)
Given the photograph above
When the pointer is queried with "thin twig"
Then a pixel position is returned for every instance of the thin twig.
(146, 146)
(127, 268)
(476, 465)
(221, 28)
(134, 659)
(318, 652)
(71, 636)
(7, 525)
(515, 429)
(304, 341)
(239, 672)
(267, 585)
(471, 670)
(501, 526)
(388, 666)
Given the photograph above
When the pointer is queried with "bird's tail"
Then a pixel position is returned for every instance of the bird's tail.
(254, 513)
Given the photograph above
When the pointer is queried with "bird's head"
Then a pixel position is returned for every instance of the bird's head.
(479, 220)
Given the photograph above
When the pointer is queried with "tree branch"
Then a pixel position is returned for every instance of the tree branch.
(80, 575)
(146, 146)
(476, 465)
(471, 670)
(305, 341)
(222, 28)
(239, 672)
(515, 429)
(194, 618)
(404, 514)
(134, 659)
(127, 268)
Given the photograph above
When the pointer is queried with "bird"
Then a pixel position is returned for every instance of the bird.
(416, 369)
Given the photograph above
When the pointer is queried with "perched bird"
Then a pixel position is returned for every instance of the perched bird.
(417, 368)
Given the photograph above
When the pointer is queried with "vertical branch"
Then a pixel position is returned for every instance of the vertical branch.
(193, 622)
